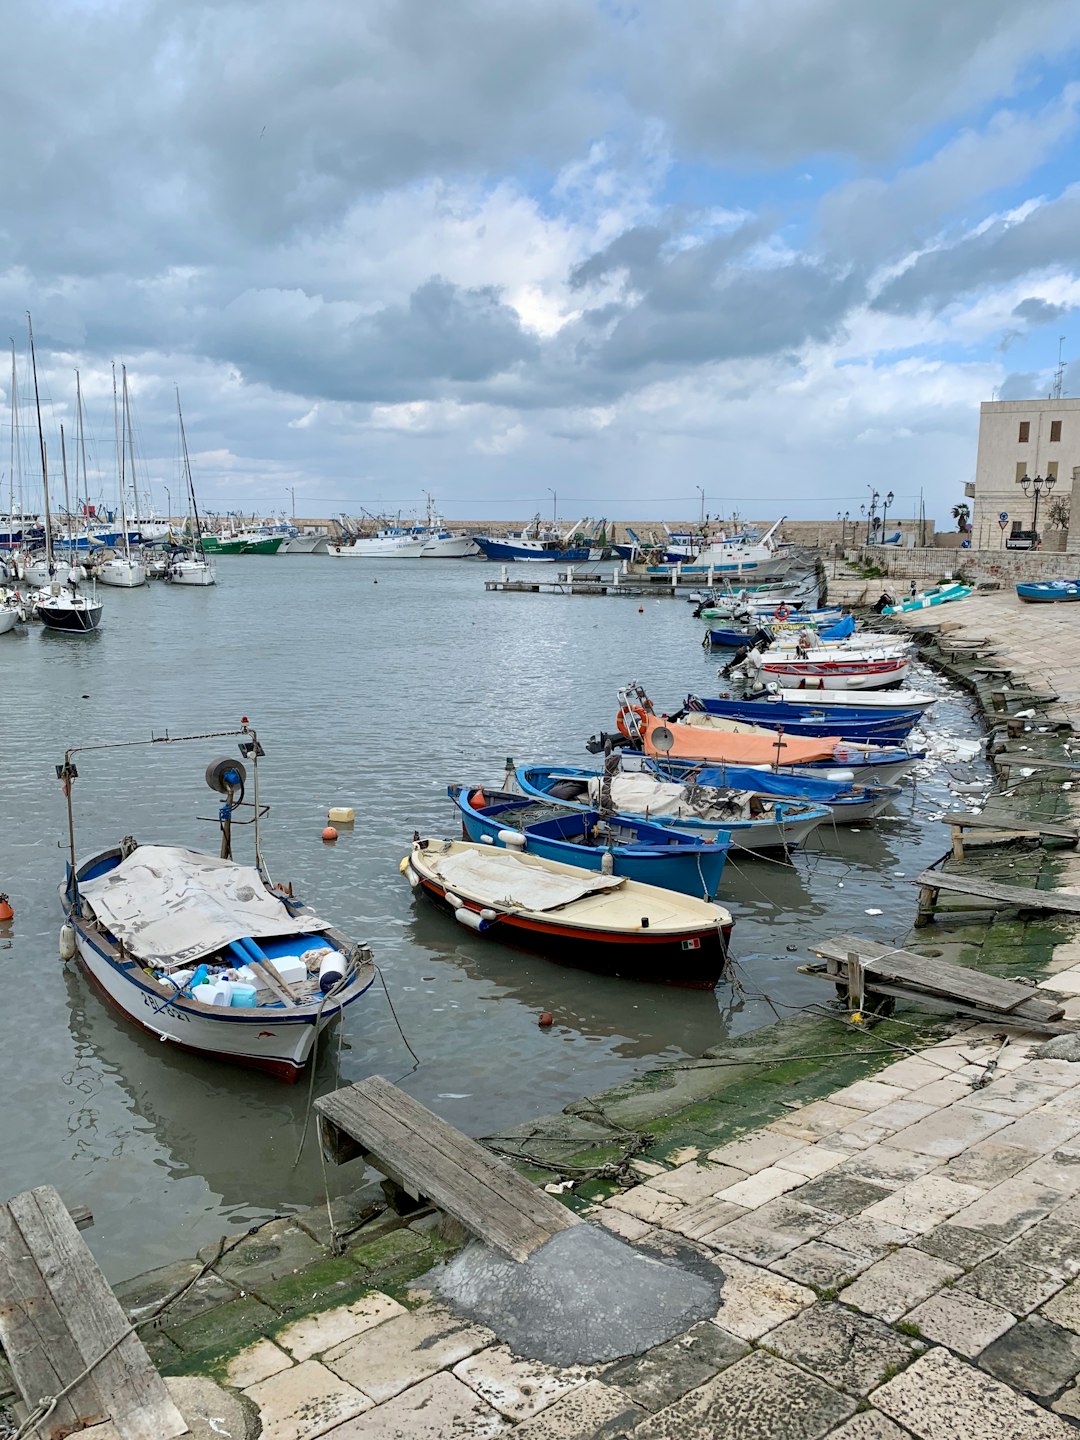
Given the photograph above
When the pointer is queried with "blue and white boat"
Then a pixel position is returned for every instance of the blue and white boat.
(849, 722)
(1044, 592)
(636, 849)
(202, 952)
(850, 803)
(754, 822)
(733, 639)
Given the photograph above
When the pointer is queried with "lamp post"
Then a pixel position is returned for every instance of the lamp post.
(554, 506)
(168, 503)
(874, 498)
(701, 491)
(889, 498)
(1036, 486)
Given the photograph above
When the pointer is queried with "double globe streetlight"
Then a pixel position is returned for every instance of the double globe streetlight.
(1036, 487)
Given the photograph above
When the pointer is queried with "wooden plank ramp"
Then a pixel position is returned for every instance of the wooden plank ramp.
(885, 965)
(1016, 897)
(428, 1158)
(992, 830)
(58, 1318)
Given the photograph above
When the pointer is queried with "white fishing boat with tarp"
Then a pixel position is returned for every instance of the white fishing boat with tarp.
(203, 952)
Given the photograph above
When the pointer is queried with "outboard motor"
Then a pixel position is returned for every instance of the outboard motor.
(884, 600)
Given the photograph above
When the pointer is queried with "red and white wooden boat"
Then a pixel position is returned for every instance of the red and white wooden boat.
(867, 672)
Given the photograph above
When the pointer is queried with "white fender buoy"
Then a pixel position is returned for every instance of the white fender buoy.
(512, 839)
(454, 901)
(67, 942)
(471, 919)
(607, 863)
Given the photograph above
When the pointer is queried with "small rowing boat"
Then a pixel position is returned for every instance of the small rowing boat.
(613, 844)
(202, 952)
(578, 917)
(1049, 592)
(851, 723)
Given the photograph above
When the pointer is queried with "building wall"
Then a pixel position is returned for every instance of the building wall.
(1003, 457)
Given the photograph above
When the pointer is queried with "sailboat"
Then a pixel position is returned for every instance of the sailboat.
(120, 569)
(190, 567)
(59, 607)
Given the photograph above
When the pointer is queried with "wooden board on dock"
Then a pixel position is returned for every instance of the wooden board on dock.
(1033, 762)
(972, 988)
(1018, 897)
(428, 1157)
(995, 830)
(58, 1318)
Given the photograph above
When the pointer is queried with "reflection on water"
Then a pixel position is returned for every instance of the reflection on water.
(374, 696)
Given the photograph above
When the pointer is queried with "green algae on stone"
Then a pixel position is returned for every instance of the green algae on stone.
(219, 1332)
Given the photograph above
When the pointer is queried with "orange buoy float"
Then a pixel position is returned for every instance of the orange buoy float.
(478, 800)
(329, 835)
(6, 912)
(546, 1020)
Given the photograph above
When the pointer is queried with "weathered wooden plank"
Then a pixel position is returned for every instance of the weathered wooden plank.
(941, 1006)
(499, 1178)
(1033, 762)
(35, 1339)
(433, 1158)
(983, 821)
(131, 1390)
(940, 977)
(1018, 896)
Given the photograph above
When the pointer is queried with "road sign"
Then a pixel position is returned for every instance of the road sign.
(1003, 516)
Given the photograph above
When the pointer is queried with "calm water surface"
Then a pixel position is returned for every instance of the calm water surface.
(377, 696)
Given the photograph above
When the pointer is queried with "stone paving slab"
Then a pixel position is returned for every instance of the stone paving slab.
(1050, 1245)
(667, 1372)
(812, 1121)
(870, 1425)
(305, 1401)
(824, 1266)
(518, 1389)
(761, 1396)
(400, 1352)
(853, 1352)
(437, 1408)
(754, 1152)
(960, 1322)
(941, 1397)
(695, 1181)
(324, 1330)
(958, 1244)
(257, 1362)
(753, 1300)
(591, 1412)
(1064, 1308)
(923, 1204)
(947, 1132)
(898, 1282)
(1036, 1357)
(1010, 1283)
(839, 1195)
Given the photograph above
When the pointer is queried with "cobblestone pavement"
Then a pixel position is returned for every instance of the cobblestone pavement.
(899, 1259)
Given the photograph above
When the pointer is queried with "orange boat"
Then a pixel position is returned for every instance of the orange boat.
(697, 742)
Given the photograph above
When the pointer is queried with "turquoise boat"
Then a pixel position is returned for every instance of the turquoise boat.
(939, 595)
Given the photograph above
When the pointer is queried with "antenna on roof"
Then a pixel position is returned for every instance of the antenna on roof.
(1059, 373)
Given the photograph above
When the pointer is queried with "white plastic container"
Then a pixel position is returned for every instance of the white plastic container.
(243, 996)
(341, 815)
(214, 992)
(291, 969)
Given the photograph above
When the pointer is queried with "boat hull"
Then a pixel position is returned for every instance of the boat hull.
(693, 961)
(694, 868)
(874, 727)
(1061, 592)
(529, 552)
(122, 574)
(79, 620)
(835, 674)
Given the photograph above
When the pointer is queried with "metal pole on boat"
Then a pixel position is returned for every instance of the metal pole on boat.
(66, 773)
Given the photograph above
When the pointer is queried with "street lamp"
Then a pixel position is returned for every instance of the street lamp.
(168, 503)
(889, 498)
(554, 505)
(874, 498)
(1036, 487)
(701, 492)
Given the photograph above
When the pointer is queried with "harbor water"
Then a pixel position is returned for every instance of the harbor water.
(374, 685)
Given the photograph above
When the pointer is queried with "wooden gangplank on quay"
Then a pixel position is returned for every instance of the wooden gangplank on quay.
(991, 830)
(860, 968)
(1014, 897)
(428, 1159)
(59, 1320)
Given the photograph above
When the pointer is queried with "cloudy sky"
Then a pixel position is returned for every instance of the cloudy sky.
(775, 249)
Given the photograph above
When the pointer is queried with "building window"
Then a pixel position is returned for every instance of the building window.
(1021, 469)
(1055, 430)
(1051, 469)
(1025, 431)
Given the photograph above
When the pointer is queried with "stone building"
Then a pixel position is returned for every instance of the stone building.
(1020, 438)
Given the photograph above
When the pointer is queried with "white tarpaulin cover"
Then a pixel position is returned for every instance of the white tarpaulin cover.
(640, 794)
(501, 877)
(173, 906)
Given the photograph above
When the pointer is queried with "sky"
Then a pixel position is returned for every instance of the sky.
(586, 256)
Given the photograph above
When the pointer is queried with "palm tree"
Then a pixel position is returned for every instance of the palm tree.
(962, 514)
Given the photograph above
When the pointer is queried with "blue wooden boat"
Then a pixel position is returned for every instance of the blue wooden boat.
(651, 854)
(1043, 592)
(851, 804)
(754, 823)
(850, 723)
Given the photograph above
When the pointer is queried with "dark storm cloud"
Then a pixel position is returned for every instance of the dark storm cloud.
(294, 342)
(779, 81)
(1034, 311)
(1045, 238)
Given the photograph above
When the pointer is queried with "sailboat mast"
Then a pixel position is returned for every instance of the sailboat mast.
(67, 498)
(131, 447)
(187, 475)
(41, 442)
(120, 443)
(81, 452)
